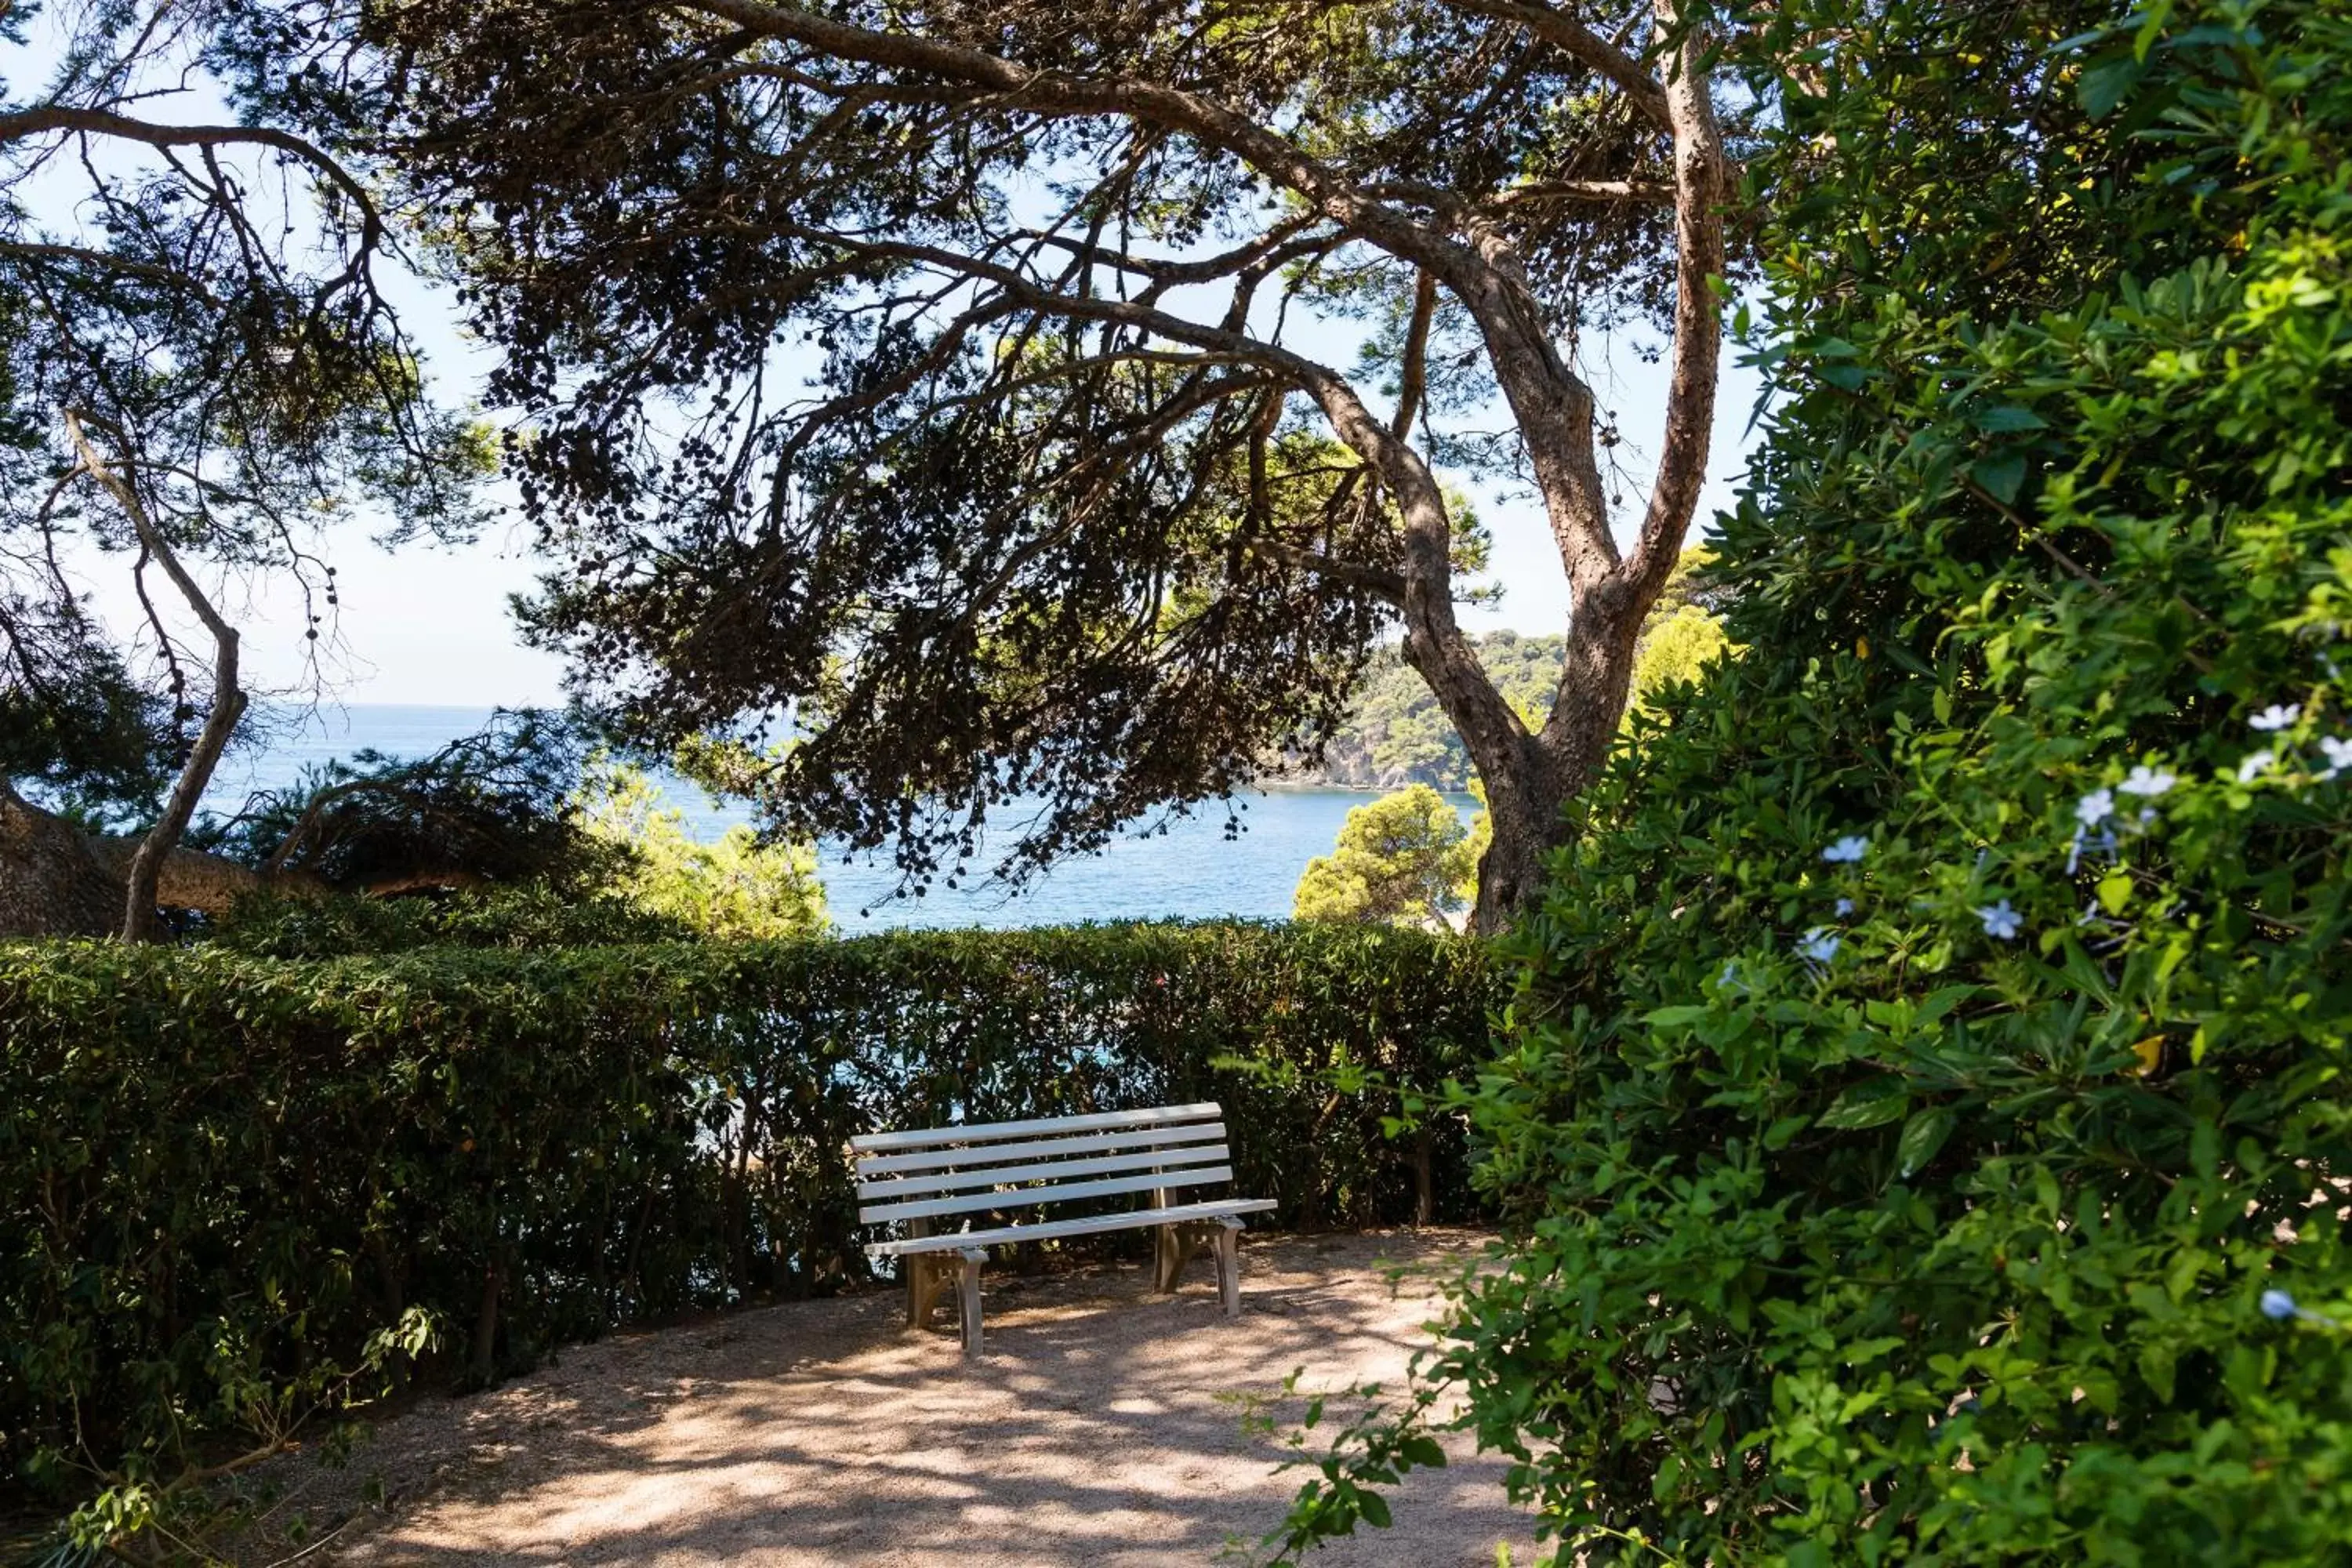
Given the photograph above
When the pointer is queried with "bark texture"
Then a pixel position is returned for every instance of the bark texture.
(55, 879)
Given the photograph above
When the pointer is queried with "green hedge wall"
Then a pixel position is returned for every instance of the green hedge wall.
(220, 1169)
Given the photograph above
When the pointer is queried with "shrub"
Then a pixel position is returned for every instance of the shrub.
(1924, 1128)
(221, 1172)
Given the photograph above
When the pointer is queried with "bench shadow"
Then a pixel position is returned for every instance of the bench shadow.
(1103, 1424)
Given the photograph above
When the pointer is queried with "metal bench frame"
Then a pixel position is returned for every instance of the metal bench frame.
(923, 1177)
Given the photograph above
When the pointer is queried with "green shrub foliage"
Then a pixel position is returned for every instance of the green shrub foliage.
(219, 1169)
(1923, 1130)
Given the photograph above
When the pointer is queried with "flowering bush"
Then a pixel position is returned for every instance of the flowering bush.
(1925, 1130)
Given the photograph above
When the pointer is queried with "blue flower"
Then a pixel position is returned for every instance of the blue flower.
(2277, 716)
(2278, 1306)
(2147, 782)
(1820, 944)
(1845, 906)
(2339, 755)
(2096, 807)
(1999, 920)
(1847, 850)
(2103, 844)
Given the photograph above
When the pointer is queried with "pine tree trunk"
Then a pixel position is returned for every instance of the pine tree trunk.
(57, 880)
(50, 882)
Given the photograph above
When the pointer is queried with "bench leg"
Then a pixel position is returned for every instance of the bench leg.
(1171, 1248)
(1229, 1265)
(973, 1257)
(927, 1277)
(925, 1274)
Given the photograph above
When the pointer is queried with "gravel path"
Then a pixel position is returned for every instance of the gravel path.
(1104, 1426)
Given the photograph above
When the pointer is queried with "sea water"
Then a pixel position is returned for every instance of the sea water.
(1185, 869)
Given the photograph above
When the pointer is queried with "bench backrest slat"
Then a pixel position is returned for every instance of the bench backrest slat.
(1049, 1170)
(1001, 1165)
(993, 1131)
(872, 1165)
(977, 1203)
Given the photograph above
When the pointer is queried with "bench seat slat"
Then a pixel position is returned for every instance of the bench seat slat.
(992, 1131)
(1131, 1220)
(1062, 1191)
(1052, 1170)
(872, 1165)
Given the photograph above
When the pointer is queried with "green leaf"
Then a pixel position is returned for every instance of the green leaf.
(2115, 891)
(1923, 1135)
(2107, 83)
(2005, 419)
(2002, 474)
(2156, 1365)
(1940, 1001)
(1871, 1104)
(1424, 1451)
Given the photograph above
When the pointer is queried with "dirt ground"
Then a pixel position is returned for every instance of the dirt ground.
(1103, 1426)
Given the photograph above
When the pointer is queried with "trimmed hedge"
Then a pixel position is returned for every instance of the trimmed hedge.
(220, 1171)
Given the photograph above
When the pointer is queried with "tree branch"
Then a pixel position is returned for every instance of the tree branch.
(1413, 376)
(228, 699)
(1581, 44)
(1374, 579)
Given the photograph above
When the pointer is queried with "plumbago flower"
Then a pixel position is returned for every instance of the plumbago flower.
(2277, 716)
(2148, 783)
(1819, 945)
(1847, 851)
(1845, 906)
(2000, 922)
(2279, 1308)
(2096, 807)
(2339, 755)
(2259, 761)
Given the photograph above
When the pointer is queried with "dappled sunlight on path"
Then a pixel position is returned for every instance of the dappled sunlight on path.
(1102, 1426)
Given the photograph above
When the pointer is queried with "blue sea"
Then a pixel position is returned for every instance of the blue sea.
(1190, 871)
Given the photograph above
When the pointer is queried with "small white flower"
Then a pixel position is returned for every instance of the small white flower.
(1845, 906)
(2146, 782)
(2339, 754)
(2001, 921)
(1820, 944)
(2096, 807)
(2256, 764)
(1847, 850)
(2277, 716)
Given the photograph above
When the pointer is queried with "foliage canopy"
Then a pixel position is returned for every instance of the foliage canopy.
(942, 384)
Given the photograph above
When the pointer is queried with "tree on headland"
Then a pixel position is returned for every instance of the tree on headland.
(1403, 859)
(1395, 734)
(1071, 512)
(200, 377)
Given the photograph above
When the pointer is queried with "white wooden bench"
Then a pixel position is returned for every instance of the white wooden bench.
(925, 1177)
